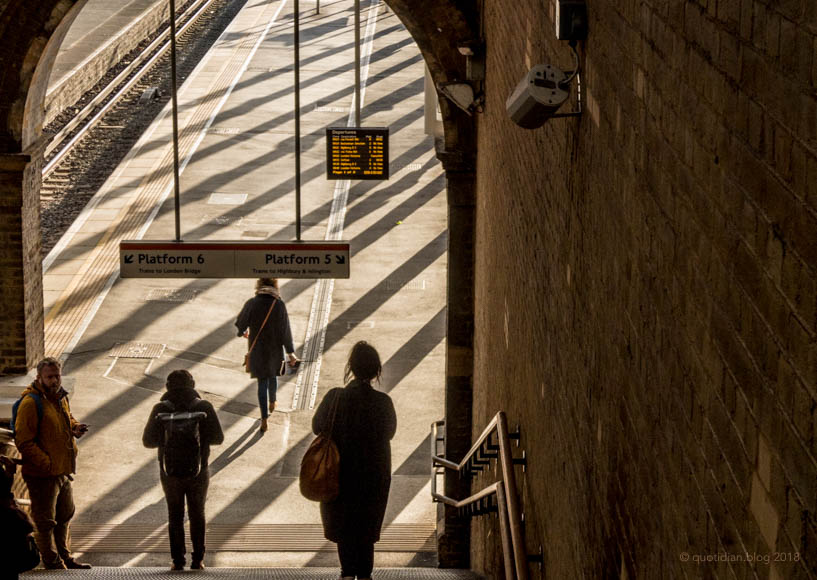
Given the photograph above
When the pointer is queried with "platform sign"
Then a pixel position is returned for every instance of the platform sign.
(227, 259)
(357, 153)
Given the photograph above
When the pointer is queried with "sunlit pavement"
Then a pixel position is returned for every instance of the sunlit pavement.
(394, 299)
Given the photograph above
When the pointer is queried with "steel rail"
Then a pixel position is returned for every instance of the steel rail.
(513, 542)
(145, 61)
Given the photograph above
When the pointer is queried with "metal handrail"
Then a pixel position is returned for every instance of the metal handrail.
(510, 522)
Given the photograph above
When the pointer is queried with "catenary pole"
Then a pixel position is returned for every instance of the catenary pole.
(296, 68)
(175, 116)
(357, 63)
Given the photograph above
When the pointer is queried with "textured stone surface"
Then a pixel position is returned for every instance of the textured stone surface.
(647, 276)
(21, 323)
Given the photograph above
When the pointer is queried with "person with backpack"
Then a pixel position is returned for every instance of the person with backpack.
(183, 426)
(45, 433)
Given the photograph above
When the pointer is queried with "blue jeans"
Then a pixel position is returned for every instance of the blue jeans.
(267, 384)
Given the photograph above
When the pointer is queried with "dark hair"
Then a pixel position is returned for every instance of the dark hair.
(363, 363)
(266, 282)
(48, 362)
(180, 379)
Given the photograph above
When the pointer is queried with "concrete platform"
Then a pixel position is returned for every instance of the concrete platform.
(236, 112)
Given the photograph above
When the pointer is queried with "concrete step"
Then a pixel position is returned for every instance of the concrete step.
(253, 573)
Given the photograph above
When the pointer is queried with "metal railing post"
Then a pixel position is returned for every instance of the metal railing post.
(508, 476)
(510, 520)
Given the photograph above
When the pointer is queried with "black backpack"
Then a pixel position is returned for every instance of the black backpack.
(181, 442)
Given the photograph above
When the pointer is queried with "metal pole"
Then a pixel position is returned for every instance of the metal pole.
(175, 115)
(357, 63)
(297, 70)
(318, 6)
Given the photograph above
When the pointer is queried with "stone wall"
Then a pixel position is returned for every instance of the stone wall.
(21, 307)
(646, 290)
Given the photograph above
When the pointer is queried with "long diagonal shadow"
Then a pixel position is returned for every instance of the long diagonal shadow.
(141, 482)
(360, 310)
(250, 104)
(236, 449)
(220, 180)
(290, 289)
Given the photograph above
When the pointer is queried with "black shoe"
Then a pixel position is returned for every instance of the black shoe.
(72, 564)
(58, 565)
(197, 565)
(177, 566)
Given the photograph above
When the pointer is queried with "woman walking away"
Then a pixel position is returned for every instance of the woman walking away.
(264, 321)
(363, 427)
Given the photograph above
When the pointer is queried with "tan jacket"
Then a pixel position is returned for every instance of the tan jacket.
(48, 446)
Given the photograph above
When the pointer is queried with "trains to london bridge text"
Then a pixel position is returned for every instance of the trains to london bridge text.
(268, 259)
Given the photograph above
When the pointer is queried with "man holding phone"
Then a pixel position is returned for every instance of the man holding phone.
(45, 433)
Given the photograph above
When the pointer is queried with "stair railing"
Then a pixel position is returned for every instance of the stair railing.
(507, 500)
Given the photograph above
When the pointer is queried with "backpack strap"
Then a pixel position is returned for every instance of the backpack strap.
(38, 402)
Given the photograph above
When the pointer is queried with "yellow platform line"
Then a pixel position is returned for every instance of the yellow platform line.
(75, 302)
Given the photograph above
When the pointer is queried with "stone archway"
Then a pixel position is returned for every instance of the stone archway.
(31, 36)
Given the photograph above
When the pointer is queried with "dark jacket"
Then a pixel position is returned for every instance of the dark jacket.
(16, 526)
(48, 446)
(184, 399)
(267, 355)
(364, 426)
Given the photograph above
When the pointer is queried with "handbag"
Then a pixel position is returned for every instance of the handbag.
(320, 467)
(252, 346)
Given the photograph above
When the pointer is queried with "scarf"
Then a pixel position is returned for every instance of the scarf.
(271, 290)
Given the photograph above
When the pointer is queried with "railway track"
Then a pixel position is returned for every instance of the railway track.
(92, 137)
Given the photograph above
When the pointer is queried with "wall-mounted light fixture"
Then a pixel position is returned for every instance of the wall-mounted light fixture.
(545, 87)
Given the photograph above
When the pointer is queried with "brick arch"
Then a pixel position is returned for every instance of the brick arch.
(31, 34)
(438, 26)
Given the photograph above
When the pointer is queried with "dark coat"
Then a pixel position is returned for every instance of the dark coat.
(267, 355)
(184, 399)
(364, 426)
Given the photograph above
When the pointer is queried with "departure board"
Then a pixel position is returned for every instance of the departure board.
(357, 153)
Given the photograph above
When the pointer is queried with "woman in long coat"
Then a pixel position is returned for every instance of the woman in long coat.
(364, 425)
(275, 337)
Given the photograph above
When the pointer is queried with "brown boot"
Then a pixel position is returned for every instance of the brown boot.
(263, 425)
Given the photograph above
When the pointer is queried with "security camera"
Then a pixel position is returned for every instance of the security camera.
(538, 96)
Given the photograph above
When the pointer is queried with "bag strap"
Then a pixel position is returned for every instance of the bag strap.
(262, 325)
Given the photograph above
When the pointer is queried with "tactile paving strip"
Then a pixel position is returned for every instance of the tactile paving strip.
(134, 538)
(253, 573)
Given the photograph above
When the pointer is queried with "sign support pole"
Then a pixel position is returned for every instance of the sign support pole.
(296, 68)
(175, 115)
(357, 63)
